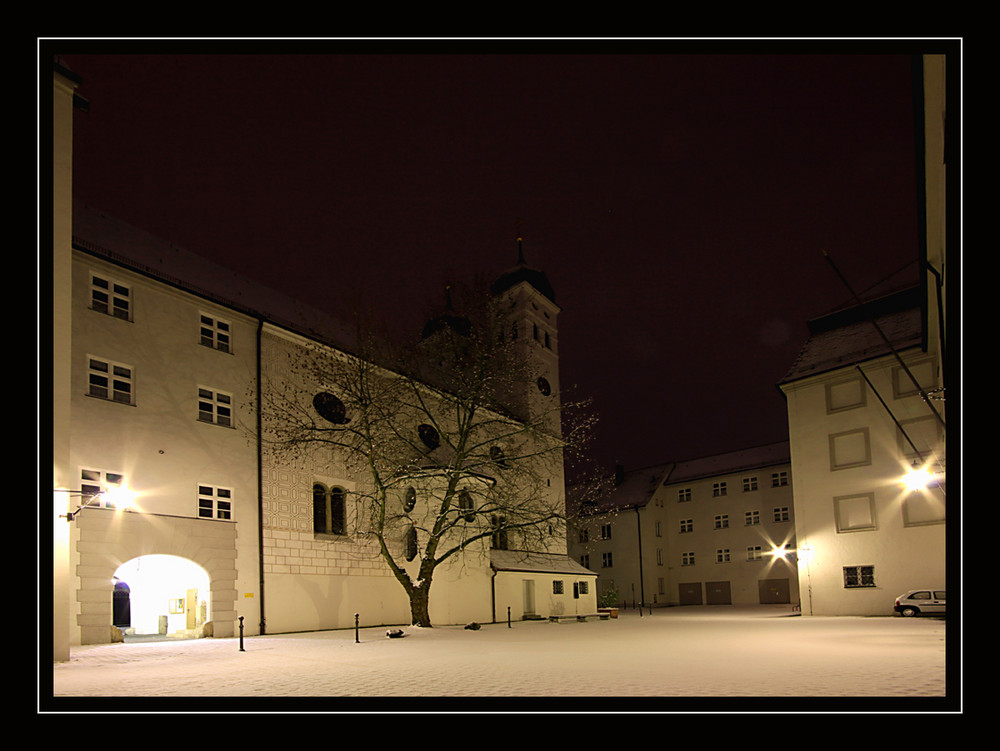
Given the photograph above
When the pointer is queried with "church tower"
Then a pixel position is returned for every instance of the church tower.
(533, 314)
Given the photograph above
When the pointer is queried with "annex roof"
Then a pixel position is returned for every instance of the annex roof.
(544, 563)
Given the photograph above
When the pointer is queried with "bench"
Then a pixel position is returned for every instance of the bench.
(578, 617)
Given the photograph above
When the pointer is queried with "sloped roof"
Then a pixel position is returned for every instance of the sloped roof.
(636, 487)
(730, 462)
(852, 335)
(110, 238)
(545, 563)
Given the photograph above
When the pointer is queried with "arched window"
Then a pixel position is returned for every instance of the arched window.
(328, 509)
(466, 506)
(411, 543)
(409, 499)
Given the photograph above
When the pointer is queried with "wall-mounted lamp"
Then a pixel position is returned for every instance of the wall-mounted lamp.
(116, 497)
(919, 477)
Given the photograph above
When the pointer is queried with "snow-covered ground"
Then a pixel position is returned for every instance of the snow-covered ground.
(671, 653)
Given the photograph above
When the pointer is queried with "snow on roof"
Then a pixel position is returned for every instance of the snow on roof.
(125, 245)
(730, 462)
(545, 563)
(851, 336)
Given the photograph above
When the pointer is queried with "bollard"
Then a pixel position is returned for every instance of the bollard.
(508, 616)
(356, 639)
(241, 634)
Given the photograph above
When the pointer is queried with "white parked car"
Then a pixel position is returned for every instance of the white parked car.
(921, 602)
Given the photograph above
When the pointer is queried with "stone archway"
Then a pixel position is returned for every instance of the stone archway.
(105, 540)
(168, 596)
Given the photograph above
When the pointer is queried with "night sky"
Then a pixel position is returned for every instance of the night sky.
(678, 198)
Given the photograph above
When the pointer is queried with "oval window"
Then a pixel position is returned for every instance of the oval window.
(544, 387)
(409, 499)
(330, 408)
(429, 436)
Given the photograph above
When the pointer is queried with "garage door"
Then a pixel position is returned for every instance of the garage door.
(718, 593)
(689, 593)
(774, 591)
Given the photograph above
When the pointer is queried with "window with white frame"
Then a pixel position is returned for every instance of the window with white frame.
(659, 556)
(722, 555)
(687, 559)
(719, 489)
(215, 503)
(94, 483)
(605, 531)
(754, 552)
(111, 297)
(658, 528)
(782, 514)
(749, 484)
(687, 525)
(779, 479)
(752, 518)
(109, 380)
(214, 333)
(215, 407)
(684, 495)
(722, 521)
(607, 560)
(859, 576)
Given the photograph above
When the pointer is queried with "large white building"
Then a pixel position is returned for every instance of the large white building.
(718, 530)
(866, 406)
(162, 365)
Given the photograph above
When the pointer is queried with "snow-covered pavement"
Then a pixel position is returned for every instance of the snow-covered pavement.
(676, 652)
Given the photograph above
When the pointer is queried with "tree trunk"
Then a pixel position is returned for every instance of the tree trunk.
(419, 605)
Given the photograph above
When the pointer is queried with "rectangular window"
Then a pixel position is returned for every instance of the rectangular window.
(585, 561)
(722, 521)
(605, 531)
(109, 380)
(606, 560)
(749, 484)
(557, 587)
(584, 536)
(215, 333)
(722, 555)
(684, 495)
(719, 489)
(659, 556)
(687, 525)
(781, 514)
(584, 587)
(658, 529)
(752, 518)
(110, 297)
(215, 407)
(754, 553)
(215, 503)
(93, 486)
(779, 479)
(859, 576)
(687, 559)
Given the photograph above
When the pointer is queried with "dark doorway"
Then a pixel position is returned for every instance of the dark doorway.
(121, 608)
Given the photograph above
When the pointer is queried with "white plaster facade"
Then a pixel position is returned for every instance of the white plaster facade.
(157, 357)
(861, 412)
(699, 532)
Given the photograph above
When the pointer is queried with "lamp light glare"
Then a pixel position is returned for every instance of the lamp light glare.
(917, 478)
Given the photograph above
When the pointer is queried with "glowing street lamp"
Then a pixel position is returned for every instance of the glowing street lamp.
(919, 478)
(117, 497)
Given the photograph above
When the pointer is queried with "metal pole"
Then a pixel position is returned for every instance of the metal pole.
(356, 639)
(241, 634)
(508, 616)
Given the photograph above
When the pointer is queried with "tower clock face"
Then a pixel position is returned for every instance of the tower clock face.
(543, 386)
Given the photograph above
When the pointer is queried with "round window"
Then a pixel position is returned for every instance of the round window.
(543, 386)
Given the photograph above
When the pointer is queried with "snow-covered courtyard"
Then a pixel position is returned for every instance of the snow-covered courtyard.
(647, 662)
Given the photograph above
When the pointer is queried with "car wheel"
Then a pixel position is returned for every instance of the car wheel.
(909, 612)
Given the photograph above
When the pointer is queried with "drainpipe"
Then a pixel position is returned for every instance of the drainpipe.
(642, 585)
(260, 487)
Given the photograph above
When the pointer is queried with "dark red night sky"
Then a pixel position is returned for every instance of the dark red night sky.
(679, 203)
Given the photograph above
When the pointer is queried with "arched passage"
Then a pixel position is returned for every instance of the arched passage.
(167, 595)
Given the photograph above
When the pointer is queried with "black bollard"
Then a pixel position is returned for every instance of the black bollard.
(356, 639)
(508, 616)
(241, 634)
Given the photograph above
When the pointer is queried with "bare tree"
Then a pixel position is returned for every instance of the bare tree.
(452, 453)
